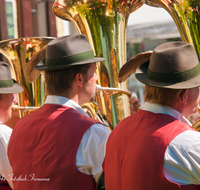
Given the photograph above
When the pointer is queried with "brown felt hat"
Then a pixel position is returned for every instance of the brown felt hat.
(173, 65)
(7, 84)
(67, 51)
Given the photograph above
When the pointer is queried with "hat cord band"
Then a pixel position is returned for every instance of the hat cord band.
(174, 77)
(67, 60)
(6, 83)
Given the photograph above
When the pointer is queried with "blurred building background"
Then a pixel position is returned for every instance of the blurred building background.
(147, 28)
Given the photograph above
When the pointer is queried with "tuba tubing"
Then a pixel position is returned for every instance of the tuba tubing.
(24, 108)
(112, 91)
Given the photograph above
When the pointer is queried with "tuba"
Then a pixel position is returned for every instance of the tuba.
(196, 124)
(19, 52)
(186, 14)
(104, 22)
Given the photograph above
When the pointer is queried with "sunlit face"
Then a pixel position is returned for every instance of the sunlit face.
(6, 107)
(89, 87)
(193, 101)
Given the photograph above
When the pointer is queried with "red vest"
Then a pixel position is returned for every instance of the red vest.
(43, 147)
(4, 184)
(135, 152)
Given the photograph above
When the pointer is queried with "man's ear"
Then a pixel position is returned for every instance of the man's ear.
(184, 96)
(79, 79)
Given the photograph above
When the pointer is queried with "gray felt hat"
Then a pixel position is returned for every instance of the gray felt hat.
(173, 65)
(66, 51)
(7, 84)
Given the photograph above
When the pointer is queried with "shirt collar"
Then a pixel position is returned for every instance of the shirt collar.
(60, 100)
(157, 108)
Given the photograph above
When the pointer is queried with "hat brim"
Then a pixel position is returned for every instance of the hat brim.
(42, 65)
(142, 75)
(132, 64)
(16, 88)
(32, 73)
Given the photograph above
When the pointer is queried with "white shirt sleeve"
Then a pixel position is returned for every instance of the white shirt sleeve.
(5, 168)
(91, 151)
(182, 159)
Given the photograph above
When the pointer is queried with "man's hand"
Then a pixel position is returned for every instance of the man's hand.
(134, 104)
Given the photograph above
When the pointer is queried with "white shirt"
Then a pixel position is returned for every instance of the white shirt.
(91, 151)
(5, 168)
(182, 156)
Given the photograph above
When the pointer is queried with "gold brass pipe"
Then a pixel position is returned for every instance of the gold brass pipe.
(24, 108)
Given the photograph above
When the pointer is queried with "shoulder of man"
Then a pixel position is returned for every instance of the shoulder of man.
(188, 138)
(5, 133)
(100, 129)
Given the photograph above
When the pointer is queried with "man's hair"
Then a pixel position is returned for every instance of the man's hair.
(60, 81)
(164, 96)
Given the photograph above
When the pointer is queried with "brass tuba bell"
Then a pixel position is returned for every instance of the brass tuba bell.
(19, 52)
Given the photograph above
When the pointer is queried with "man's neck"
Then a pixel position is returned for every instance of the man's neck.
(174, 105)
(69, 96)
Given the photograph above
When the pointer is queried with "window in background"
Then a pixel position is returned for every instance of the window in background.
(10, 18)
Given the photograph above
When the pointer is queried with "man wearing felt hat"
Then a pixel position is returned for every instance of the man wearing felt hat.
(8, 87)
(58, 143)
(156, 148)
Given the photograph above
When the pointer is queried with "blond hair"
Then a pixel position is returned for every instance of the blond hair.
(162, 96)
